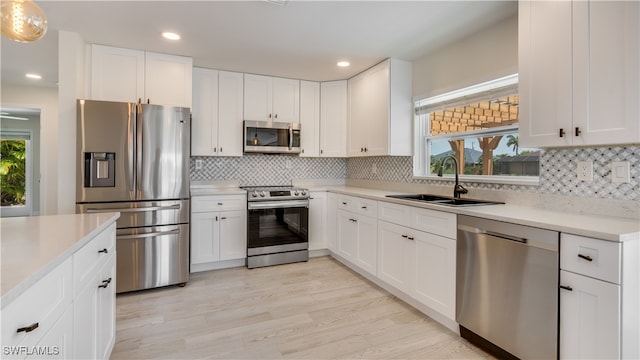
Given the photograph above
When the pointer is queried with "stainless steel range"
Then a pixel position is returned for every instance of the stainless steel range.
(277, 225)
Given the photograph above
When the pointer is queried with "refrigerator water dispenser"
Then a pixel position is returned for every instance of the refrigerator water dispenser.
(99, 169)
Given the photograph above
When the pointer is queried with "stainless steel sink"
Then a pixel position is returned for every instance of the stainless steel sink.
(444, 200)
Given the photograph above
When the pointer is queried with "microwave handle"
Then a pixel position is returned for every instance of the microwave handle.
(290, 136)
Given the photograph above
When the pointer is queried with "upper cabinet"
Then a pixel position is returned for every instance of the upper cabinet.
(333, 118)
(132, 75)
(216, 124)
(271, 99)
(380, 110)
(579, 73)
(309, 118)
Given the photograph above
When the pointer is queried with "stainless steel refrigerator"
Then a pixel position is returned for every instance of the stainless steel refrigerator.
(134, 158)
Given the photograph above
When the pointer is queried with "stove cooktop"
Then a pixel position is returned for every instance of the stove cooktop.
(277, 192)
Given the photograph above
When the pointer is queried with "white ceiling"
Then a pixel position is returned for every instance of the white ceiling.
(301, 39)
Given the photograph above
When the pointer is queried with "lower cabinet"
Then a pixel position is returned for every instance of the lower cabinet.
(589, 318)
(218, 231)
(358, 239)
(318, 220)
(419, 264)
(332, 222)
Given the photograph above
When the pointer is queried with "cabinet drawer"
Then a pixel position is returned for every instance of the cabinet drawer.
(92, 256)
(218, 203)
(358, 205)
(43, 303)
(599, 259)
(431, 221)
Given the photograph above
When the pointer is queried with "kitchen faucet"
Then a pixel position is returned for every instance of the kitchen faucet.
(457, 189)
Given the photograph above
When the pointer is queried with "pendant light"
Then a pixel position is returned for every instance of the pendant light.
(23, 20)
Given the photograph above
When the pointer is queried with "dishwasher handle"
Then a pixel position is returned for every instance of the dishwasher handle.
(506, 237)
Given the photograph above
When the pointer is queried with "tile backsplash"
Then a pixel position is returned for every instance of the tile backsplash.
(557, 171)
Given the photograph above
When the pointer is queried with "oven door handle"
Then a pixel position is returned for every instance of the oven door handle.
(277, 204)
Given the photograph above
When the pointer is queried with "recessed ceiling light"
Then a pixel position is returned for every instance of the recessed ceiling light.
(170, 36)
(34, 76)
(343, 63)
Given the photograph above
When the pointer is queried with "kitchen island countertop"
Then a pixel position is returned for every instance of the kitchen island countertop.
(33, 246)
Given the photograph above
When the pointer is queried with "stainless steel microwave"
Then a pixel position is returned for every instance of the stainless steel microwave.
(271, 137)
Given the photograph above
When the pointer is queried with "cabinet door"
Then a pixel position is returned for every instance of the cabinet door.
(257, 97)
(86, 311)
(332, 220)
(204, 115)
(309, 118)
(589, 318)
(58, 341)
(544, 61)
(205, 240)
(606, 72)
(395, 255)
(233, 235)
(377, 123)
(168, 79)
(230, 100)
(434, 273)
(347, 233)
(117, 74)
(358, 115)
(317, 220)
(106, 326)
(367, 248)
(333, 119)
(286, 100)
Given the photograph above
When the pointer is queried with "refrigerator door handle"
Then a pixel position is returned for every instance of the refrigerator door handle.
(141, 209)
(151, 234)
(131, 155)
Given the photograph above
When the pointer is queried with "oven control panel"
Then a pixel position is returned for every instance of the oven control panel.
(275, 193)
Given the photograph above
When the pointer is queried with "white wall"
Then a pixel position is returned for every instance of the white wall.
(71, 72)
(45, 99)
(486, 55)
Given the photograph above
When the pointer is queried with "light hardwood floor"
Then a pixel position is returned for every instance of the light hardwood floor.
(314, 310)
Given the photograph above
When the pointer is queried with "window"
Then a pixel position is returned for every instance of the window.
(478, 126)
(15, 172)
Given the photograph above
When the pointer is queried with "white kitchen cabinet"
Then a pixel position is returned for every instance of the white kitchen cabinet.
(599, 297)
(309, 119)
(271, 99)
(57, 343)
(358, 239)
(333, 119)
(380, 110)
(332, 222)
(583, 94)
(218, 230)
(131, 75)
(318, 220)
(94, 302)
(417, 254)
(216, 123)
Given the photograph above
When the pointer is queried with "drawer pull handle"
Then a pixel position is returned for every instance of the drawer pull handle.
(344, 203)
(364, 207)
(405, 236)
(586, 257)
(353, 220)
(410, 238)
(29, 328)
(103, 251)
(105, 283)
(565, 287)
(220, 204)
(223, 218)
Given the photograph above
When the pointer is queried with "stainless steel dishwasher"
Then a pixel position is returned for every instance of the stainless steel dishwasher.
(507, 288)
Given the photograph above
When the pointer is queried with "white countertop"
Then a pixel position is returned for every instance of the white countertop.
(595, 226)
(33, 246)
(204, 188)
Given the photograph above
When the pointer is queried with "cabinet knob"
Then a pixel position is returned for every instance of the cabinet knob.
(302, 151)
(29, 328)
(561, 132)
(148, 101)
(578, 131)
(344, 203)
(103, 251)
(220, 149)
(275, 116)
(361, 149)
(215, 149)
(321, 151)
(269, 116)
(365, 149)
